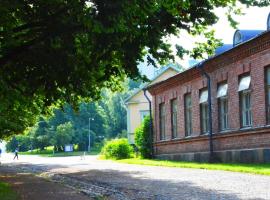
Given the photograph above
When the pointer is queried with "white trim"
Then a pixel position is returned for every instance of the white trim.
(244, 83)
(222, 90)
(203, 96)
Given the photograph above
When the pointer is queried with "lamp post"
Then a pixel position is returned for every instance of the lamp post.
(89, 134)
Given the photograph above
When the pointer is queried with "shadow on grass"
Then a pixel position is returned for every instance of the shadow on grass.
(6, 192)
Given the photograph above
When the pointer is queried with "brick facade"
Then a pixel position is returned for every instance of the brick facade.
(251, 58)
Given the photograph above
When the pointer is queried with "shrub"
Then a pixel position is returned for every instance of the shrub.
(142, 138)
(117, 149)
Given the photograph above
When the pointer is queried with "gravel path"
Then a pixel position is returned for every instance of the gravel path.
(122, 181)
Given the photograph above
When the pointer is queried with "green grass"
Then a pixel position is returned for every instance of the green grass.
(49, 153)
(6, 193)
(263, 169)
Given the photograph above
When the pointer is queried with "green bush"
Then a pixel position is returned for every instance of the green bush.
(143, 139)
(117, 149)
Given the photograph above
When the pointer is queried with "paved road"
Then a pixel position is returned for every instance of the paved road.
(123, 181)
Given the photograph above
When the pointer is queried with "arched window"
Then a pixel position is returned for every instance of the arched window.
(237, 39)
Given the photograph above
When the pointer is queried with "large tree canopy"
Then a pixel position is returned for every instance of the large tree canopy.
(66, 50)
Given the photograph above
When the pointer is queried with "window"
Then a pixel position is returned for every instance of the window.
(204, 117)
(162, 121)
(143, 114)
(223, 106)
(174, 118)
(268, 93)
(245, 101)
(188, 115)
(237, 39)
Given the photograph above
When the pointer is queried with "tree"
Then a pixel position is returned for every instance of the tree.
(114, 111)
(143, 138)
(63, 51)
(63, 136)
(12, 144)
(40, 136)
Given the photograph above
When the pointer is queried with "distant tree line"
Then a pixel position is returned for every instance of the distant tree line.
(69, 126)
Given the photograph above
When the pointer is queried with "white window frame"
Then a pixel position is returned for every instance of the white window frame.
(268, 93)
(204, 115)
(174, 118)
(244, 83)
(162, 121)
(246, 115)
(204, 118)
(223, 113)
(188, 114)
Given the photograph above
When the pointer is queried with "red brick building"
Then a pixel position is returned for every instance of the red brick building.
(240, 111)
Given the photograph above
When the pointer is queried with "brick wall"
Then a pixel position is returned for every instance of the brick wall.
(249, 58)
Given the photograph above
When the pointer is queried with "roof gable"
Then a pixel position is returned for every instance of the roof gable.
(167, 69)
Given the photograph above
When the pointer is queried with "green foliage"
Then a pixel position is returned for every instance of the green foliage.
(59, 51)
(40, 135)
(12, 144)
(263, 169)
(6, 192)
(107, 120)
(63, 135)
(206, 48)
(143, 138)
(117, 149)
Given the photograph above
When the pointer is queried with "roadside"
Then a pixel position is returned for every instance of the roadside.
(104, 179)
(262, 169)
(30, 187)
(49, 152)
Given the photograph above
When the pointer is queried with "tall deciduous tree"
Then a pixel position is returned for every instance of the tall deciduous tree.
(65, 50)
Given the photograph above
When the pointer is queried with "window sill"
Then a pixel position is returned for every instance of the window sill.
(164, 140)
(246, 128)
(207, 133)
(224, 131)
(190, 136)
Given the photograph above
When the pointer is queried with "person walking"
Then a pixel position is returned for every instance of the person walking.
(16, 153)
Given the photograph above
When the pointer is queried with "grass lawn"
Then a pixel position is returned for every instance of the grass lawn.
(6, 193)
(263, 169)
(60, 154)
(49, 153)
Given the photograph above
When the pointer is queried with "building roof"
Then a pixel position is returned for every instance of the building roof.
(211, 58)
(162, 70)
(223, 48)
(241, 36)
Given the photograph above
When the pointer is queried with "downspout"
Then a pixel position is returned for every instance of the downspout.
(151, 122)
(203, 72)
